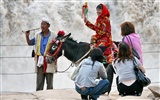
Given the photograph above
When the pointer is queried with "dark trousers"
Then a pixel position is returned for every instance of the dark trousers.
(134, 89)
(110, 74)
(41, 79)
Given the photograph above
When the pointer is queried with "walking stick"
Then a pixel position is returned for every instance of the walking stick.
(31, 30)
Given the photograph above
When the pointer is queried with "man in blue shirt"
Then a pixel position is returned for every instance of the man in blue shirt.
(41, 42)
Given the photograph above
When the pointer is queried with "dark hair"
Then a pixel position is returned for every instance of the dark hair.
(48, 24)
(124, 52)
(96, 54)
(99, 6)
(127, 28)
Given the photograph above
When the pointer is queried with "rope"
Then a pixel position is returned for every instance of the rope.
(83, 56)
(72, 64)
(66, 69)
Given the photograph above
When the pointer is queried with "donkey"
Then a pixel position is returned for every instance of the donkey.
(70, 48)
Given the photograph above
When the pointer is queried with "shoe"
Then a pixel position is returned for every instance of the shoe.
(91, 98)
(83, 97)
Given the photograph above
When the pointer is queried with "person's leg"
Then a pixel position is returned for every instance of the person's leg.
(110, 75)
(40, 78)
(117, 83)
(122, 89)
(84, 97)
(82, 92)
(49, 80)
(134, 89)
(96, 91)
(139, 88)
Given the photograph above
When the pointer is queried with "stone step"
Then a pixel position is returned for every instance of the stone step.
(68, 94)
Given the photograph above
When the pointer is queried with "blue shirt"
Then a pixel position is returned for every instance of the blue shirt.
(44, 41)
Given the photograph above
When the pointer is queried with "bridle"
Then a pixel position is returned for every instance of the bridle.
(59, 43)
(55, 54)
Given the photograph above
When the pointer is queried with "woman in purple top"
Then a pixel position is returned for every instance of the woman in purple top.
(131, 38)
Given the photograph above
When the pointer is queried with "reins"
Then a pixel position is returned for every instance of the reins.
(71, 65)
(83, 56)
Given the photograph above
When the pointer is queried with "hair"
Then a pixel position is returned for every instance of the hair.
(127, 28)
(124, 52)
(96, 54)
(99, 6)
(48, 24)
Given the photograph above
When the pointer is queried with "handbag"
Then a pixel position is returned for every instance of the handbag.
(74, 71)
(141, 77)
(134, 52)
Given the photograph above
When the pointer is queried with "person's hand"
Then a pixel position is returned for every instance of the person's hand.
(85, 19)
(27, 33)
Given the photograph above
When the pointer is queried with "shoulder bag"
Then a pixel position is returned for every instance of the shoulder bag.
(141, 77)
(74, 71)
(134, 52)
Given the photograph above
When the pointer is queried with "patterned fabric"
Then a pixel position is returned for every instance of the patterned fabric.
(103, 33)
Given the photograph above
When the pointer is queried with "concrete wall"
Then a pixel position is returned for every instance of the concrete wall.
(17, 68)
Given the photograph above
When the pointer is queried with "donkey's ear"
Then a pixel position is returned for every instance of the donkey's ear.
(65, 37)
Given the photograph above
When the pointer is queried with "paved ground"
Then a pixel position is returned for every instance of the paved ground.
(66, 94)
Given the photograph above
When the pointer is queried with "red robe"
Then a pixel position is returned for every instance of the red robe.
(103, 33)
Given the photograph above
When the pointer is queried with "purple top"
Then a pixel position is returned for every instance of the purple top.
(136, 42)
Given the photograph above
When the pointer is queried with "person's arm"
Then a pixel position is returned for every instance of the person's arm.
(140, 66)
(102, 73)
(29, 42)
(27, 37)
(103, 28)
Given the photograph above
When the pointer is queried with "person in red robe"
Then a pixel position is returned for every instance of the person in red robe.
(103, 37)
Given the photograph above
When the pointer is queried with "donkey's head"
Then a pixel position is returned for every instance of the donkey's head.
(55, 49)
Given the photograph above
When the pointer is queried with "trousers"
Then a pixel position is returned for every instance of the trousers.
(96, 91)
(134, 89)
(41, 79)
(110, 74)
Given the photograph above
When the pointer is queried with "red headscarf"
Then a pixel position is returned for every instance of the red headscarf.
(105, 12)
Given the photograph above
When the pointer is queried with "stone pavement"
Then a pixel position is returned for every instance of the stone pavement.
(67, 94)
